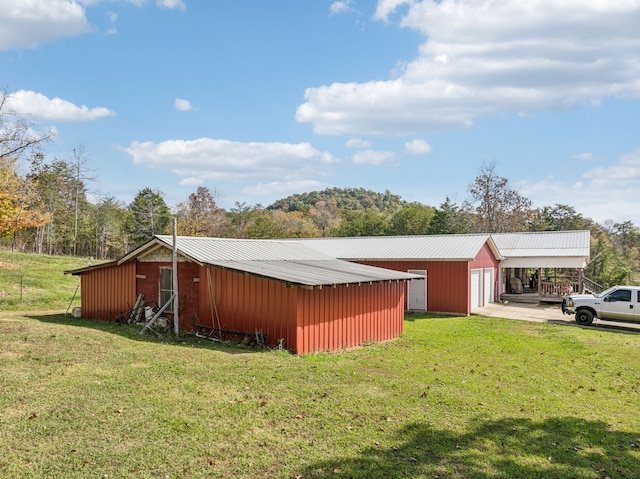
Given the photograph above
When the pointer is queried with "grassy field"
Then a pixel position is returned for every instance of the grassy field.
(29, 281)
(454, 397)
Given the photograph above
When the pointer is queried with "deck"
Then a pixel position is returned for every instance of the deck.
(530, 298)
(549, 292)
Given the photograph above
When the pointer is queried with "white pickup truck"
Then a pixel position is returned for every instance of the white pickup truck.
(619, 303)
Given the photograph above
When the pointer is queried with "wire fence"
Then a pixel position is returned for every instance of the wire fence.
(25, 289)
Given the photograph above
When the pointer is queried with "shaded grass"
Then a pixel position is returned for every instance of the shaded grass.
(454, 397)
(30, 281)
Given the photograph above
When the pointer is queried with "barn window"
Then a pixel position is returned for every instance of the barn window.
(166, 285)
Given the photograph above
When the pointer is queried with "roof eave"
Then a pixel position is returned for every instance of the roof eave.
(297, 284)
(79, 271)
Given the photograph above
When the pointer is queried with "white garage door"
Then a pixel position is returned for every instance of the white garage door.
(417, 292)
(476, 288)
(488, 286)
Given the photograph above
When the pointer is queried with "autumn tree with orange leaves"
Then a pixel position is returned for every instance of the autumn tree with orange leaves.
(18, 196)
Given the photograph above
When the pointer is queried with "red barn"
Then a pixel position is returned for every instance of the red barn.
(293, 294)
(459, 271)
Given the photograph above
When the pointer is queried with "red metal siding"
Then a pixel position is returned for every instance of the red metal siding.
(248, 303)
(485, 259)
(307, 320)
(447, 283)
(348, 316)
(107, 292)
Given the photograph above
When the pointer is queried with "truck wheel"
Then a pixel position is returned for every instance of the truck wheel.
(584, 317)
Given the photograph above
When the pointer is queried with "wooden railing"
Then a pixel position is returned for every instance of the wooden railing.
(592, 286)
(558, 289)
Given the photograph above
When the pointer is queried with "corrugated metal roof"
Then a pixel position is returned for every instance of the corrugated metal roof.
(231, 249)
(282, 260)
(544, 243)
(431, 248)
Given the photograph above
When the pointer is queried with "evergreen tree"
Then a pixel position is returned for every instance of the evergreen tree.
(558, 218)
(449, 218)
(150, 215)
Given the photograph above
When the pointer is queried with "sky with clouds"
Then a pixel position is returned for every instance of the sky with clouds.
(259, 100)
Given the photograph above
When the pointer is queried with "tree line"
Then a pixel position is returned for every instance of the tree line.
(45, 208)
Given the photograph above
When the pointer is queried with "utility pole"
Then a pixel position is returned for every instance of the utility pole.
(176, 319)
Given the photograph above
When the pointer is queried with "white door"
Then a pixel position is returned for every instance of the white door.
(488, 286)
(417, 292)
(476, 288)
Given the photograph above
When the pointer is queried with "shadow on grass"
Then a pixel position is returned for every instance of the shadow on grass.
(555, 448)
(412, 316)
(132, 332)
(599, 326)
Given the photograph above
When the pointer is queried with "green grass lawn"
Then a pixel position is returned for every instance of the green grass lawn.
(454, 397)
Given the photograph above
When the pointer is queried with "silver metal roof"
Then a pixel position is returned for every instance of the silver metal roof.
(544, 244)
(403, 248)
(287, 261)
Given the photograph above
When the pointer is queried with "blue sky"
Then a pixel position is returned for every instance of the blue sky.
(258, 100)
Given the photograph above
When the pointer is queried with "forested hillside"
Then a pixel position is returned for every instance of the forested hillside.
(357, 199)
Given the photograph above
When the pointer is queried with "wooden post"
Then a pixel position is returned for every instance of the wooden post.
(580, 285)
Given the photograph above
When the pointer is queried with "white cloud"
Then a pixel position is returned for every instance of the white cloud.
(41, 107)
(191, 181)
(488, 57)
(600, 193)
(28, 24)
(417, 147)
(31, 23)
(341, 7)
(357, 144)
(584, 156)
(112, 18)
(386, 7)
(182, 105)
(372, 157)
(223, 160)
(172, 4)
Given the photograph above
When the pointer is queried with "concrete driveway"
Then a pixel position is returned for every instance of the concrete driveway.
(545, 314)
(525, 312)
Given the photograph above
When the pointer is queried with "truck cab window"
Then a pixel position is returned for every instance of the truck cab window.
(620, 295)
